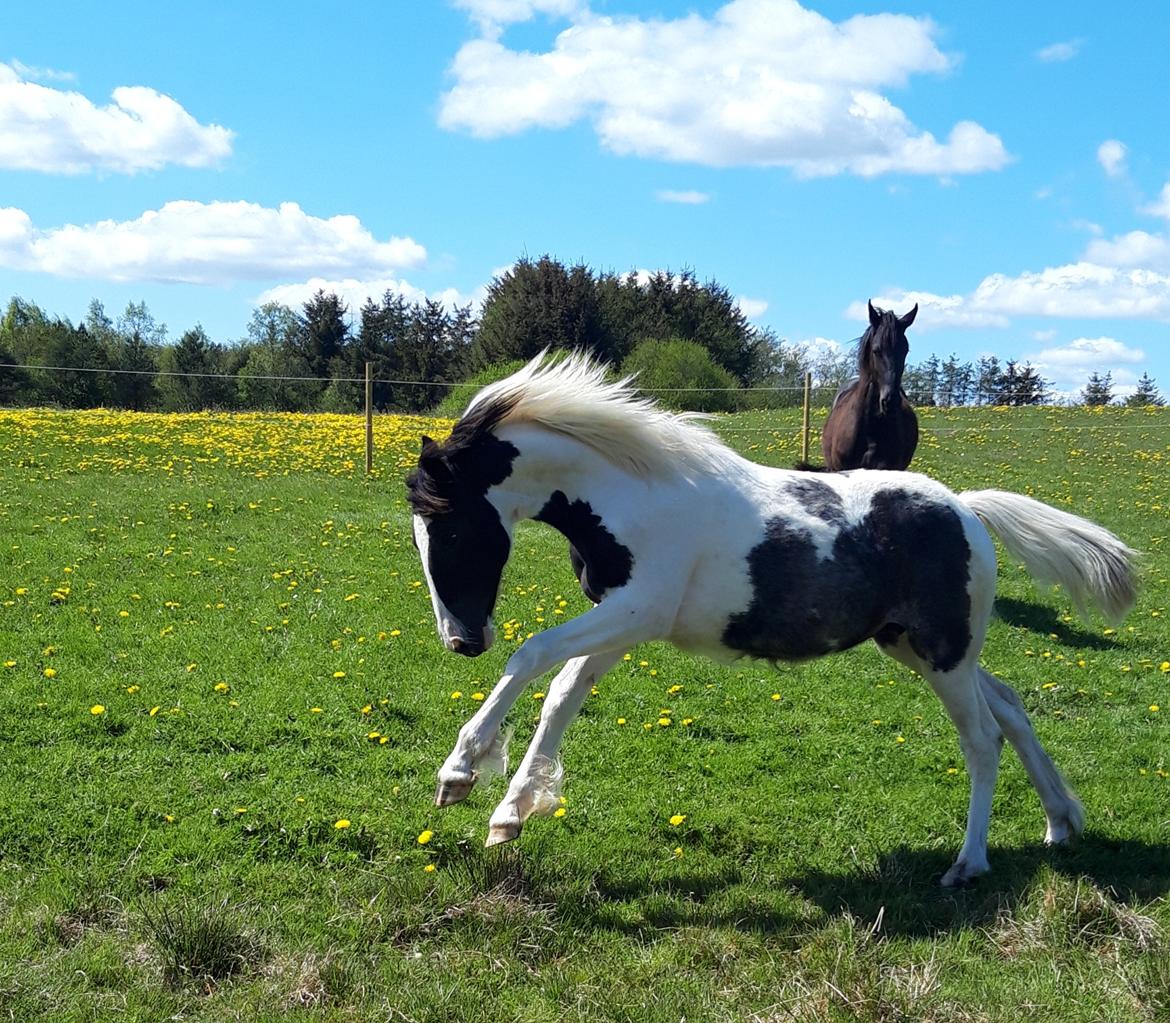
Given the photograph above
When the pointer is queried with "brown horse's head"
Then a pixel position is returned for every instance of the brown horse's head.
(883, 351)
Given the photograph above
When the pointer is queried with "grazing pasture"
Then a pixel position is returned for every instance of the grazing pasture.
(223, 701)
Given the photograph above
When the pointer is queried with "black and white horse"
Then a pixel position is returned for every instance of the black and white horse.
(676, 537)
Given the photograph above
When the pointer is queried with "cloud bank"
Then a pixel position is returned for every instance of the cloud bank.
(204, 243)
(58, 132)
(760, 82)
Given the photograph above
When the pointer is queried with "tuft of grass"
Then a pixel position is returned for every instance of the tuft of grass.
(1067, 914)
(199, 943)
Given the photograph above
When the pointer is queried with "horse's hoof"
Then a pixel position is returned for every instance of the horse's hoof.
(498, 834)
(962, 874)
(450, 792)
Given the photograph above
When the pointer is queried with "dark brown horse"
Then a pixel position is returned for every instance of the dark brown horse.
(871, 424)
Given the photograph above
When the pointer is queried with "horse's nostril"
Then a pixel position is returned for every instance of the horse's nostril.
(455, 644)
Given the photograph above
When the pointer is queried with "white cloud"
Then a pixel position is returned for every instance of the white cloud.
(760, 82)
(688, 198)
(934, 311)
(204, 243)
(1111, 156)
(1137, 248)
(57, 132)
(752, 308)
(1077, 289)
(46, 74)
(1160, 207)
(354, 293)
(492, 15)
(1069, 366)
(1057, 52)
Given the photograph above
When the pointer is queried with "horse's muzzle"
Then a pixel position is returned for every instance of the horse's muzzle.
(471, 646)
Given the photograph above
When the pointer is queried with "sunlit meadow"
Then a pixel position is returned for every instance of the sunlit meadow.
(223, 704)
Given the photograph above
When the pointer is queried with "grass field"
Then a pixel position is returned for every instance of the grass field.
(223, 702)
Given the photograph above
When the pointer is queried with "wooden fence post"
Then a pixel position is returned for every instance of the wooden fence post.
(804, 433)
(369, 417)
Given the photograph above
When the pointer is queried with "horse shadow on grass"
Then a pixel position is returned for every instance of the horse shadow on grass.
(902, 889)
(898, 895)
(1045, 621)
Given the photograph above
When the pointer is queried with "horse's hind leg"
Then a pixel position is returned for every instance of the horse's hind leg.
(536, 785)
(1062, 808)
(980, 740)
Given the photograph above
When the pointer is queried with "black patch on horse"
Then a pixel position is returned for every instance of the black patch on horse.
(468, 545)
(600, 562)
(902, 568)
(819, 500)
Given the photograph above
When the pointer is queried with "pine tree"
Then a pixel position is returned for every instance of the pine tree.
(1099, 390)
(1146, 394)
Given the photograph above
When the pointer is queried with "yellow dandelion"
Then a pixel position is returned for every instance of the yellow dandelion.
(222, 687)
(50, 673)
(97, 709)
(429, 868)
(775, 696)
(339, 674)
(677, 819)
(425, 837)
(457, 695)
(10, 664)
(316, 710)
(538, 696)
(154, 711)
(559, 812)
(1154, 708)
(341, 825)
(664, 722)
(621, 721)
(477, 697)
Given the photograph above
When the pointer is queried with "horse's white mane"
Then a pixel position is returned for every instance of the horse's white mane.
(571, 396)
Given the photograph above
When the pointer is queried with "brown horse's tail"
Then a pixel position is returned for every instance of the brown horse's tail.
(1093, 565)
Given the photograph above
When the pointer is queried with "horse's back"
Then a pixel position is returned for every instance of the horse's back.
(838, 559)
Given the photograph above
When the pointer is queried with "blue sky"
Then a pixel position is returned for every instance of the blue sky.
(1007, 166)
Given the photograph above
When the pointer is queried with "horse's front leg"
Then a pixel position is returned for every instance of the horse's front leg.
(536, 785)
(617, 624)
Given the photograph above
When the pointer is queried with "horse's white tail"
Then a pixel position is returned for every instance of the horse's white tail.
(1092, 564)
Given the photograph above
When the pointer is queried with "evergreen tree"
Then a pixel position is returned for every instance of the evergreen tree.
(1099, 389)
(956, 380)
(538, 305)
(1146, 393)
(196, 383)
(1020, 385)
(324, 332)
(987, 374)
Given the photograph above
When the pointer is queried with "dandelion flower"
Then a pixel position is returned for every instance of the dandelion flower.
(222, 687)
(1154, 708)
(621, 721)
(457, 695)
(341, 825)
(677, 819)
(339, 674)
(50, 673)
(477, 697)
(559, 812)
(97, 709)
(425, 837)
(429, 868)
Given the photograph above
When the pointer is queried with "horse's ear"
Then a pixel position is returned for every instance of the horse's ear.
(875, 317)
(431, 459)
(905, 321)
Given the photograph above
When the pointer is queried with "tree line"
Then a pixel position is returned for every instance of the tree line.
(688, 341)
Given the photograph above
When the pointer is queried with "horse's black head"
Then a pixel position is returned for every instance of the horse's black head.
(883, 353)
(458, 531)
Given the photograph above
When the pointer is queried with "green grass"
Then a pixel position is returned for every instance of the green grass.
(177, 854)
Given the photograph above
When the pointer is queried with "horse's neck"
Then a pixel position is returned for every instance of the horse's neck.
(549, 462)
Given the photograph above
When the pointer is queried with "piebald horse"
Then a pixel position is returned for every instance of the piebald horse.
(676, 537)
